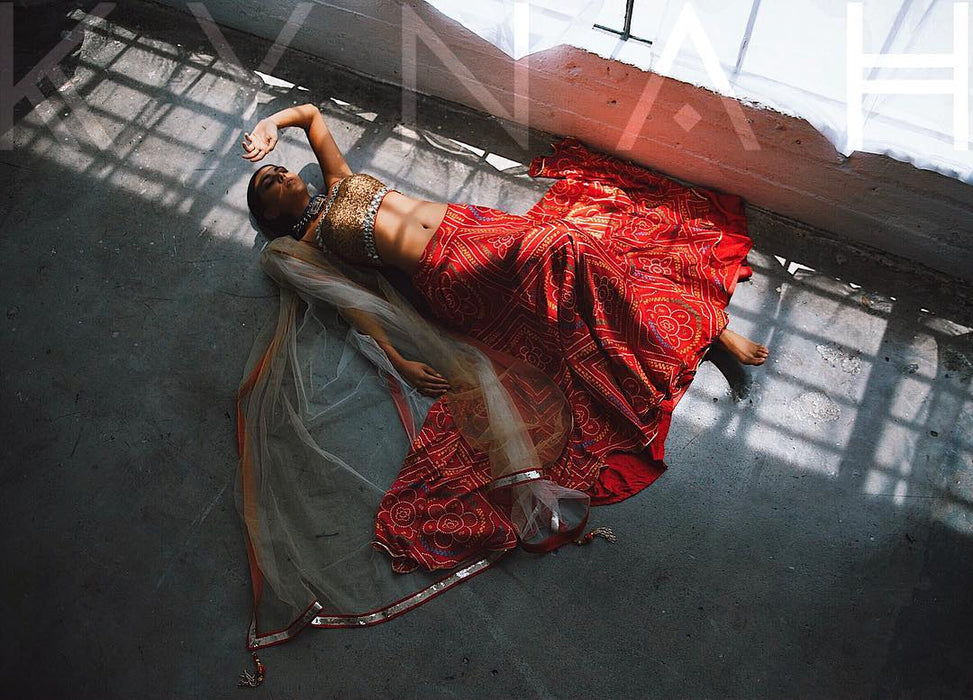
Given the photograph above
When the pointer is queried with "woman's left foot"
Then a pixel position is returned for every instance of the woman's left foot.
(745, 351)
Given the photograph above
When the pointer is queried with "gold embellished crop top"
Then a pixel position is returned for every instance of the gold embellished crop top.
(347, 224)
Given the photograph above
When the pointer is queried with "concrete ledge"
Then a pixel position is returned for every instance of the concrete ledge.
(794, 171)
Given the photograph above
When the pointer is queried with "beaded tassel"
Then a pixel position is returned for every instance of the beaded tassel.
(251, 680)
(605, 532)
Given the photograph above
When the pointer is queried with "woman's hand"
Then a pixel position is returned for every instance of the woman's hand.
(428, 381)
(260, 141)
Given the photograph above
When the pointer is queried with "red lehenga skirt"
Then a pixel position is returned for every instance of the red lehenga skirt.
(614, 285)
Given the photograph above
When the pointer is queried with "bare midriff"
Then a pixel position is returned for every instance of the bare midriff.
(403, 227)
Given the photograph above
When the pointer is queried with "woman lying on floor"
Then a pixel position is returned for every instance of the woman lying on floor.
(537, 376)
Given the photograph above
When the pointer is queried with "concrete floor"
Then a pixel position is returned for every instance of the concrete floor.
(812, 538)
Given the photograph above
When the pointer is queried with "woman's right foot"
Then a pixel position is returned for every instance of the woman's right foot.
(745, 351)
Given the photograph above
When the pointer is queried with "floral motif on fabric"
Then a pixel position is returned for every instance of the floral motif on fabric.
(436, 515)
(614, 284)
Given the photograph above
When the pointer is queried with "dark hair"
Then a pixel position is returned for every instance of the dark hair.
(282, 225)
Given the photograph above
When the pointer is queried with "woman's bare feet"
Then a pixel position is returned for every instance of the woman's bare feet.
(743, 349)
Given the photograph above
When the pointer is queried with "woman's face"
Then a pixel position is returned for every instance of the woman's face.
(280, 190)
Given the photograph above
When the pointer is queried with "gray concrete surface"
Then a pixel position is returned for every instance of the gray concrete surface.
(812, 538)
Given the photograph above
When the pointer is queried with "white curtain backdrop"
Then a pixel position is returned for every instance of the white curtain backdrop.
(789, 56)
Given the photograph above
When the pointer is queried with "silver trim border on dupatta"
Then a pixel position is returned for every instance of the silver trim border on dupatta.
(514, 479)
(311, 616)
(410, 602)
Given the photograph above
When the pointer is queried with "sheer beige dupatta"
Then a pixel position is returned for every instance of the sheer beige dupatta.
(324, 423)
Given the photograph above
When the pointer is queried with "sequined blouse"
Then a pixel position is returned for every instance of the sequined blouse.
(347, 224)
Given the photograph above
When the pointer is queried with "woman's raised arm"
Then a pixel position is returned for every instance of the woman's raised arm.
(329, 156)
(263, 138)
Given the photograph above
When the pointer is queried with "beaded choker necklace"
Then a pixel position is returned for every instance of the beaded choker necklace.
(312, 209)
